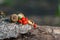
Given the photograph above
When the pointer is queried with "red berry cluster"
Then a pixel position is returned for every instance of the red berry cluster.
(23, 20)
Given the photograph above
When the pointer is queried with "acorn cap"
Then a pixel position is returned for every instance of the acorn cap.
(14, 18)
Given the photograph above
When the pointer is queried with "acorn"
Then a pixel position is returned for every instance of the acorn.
(30, 22)
(14, 17)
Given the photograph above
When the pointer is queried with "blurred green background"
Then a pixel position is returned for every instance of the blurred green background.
(43, 12)
(34, 5)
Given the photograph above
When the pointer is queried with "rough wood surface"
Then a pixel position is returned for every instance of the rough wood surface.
(42, 33)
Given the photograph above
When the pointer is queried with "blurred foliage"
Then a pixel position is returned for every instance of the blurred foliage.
(12, 3)
(35, 5)
(58, 9)
(9, 2)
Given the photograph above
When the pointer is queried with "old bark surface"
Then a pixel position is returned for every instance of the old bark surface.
(42, 33)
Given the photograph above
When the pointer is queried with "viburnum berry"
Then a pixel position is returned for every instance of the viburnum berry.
(26, 19)
(19, 21)
(25, 22)
(23, 19)
(35, 26)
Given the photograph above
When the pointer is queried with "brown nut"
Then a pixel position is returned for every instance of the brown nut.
(14, 18)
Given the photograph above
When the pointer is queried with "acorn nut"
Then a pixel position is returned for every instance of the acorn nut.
(14, 18)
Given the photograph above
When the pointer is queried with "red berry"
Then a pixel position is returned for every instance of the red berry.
(19, 21)
(26, 19)
(35, 25)
(25, 22)
(23, 19)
